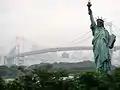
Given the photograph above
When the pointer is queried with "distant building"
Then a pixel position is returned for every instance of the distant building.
(78, 55)
(2, 61)
(10, 61)
(65, 55)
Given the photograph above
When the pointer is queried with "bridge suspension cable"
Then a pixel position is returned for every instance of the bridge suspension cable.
(84, 39)
(79, 39)
(117, 29)
(112, 26)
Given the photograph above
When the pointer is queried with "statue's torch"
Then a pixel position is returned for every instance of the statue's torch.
(89, 5)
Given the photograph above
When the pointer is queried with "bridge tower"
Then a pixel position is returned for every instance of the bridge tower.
(20, 46)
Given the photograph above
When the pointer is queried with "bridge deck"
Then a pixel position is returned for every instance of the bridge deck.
(55, 50)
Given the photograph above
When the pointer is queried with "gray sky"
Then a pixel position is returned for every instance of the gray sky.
(52, 22)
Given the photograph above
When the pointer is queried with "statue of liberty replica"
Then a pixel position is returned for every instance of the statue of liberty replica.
(102, 43)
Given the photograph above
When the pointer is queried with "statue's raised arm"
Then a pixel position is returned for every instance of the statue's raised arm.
(90, 13)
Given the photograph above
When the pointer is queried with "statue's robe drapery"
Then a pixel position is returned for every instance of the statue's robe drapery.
(101, 48)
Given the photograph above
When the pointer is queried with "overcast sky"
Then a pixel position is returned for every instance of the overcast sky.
(52, 22)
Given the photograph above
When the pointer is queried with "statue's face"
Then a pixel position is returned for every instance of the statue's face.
(100, 23)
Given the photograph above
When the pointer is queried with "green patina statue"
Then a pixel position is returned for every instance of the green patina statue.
(102, 43)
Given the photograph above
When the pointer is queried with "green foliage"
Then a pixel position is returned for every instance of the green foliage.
(2, 84)
(15, 85)
(116, 75)
(44, 79)
(14, 71)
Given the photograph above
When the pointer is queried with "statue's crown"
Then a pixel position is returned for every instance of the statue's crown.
(100, 19)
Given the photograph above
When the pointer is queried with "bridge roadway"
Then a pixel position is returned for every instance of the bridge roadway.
(57, 49)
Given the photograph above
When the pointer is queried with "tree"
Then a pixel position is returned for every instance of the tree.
(116, 76)
(2, 84)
